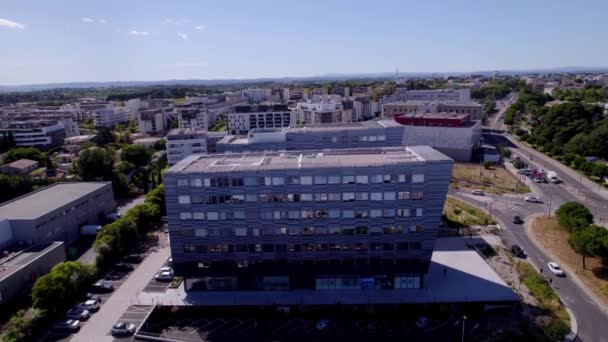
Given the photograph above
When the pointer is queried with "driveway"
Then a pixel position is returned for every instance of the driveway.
(97, 328)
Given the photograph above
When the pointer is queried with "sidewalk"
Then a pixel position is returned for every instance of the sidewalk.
(97, 328)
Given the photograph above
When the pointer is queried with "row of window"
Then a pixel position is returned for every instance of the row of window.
(298, 214)
(353, 138)
(320, 197)
(305, 247)
(304, 231)
(303, 180)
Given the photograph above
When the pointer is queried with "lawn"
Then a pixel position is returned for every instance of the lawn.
(461, 214)
(494, 180)
(552, 237)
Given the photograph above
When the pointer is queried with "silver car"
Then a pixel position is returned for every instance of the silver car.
(78, 314)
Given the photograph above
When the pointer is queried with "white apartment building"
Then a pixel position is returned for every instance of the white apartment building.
(111, 117)
(256, 95)
(184, 142)
(194, 118)
(326, 109)
(247, 117)
(152, 121)
(21, 114)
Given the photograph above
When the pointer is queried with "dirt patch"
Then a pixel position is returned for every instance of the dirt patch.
(547, 232)
(495, 180)
(460, 214)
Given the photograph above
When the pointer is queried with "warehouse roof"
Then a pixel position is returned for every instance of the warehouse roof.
(47, 199)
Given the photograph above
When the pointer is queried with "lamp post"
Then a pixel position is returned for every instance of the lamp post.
(464, 318)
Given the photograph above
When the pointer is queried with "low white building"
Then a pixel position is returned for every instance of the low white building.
(152, 121)
(184, 142)
(192, 117)
(256, 95)
(323, 109)
(110, 117)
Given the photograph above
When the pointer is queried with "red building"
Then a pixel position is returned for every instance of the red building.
(433, 119)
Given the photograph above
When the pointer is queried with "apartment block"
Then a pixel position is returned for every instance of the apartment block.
(356, 219)
(41, 134)
(322, 110)
(184, 142)
(154, 120)
(192, 117)
(110, 117)
(244, 118)
(256, 95)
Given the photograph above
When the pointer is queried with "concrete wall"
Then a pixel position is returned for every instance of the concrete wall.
(6, 233)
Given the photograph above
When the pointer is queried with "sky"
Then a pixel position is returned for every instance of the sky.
(47, 41)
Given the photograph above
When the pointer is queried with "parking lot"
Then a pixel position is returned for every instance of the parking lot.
(135, 314)
(189, 325)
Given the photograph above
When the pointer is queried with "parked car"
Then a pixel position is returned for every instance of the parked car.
(422, 321)
(517, 220)
(534, 199)
(102, 287)
(66, 326)
(78, 314)
(123, 329)
(477, 192)
(90, 305)
(166, 269)
(555, 269)
(91, 296)
(170, 261)
(123, 266)
(164, 276)
(323, 324)
(518, 251)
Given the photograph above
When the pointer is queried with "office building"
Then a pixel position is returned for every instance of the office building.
(333, 220)
(256, 95)
(391, 110)
(56, 212)
(41, 134)
(19, 271)
(154, 120)
(244, 118)
(192, 117)
(25, 113)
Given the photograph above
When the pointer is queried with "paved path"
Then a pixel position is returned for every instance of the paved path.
(97, 328)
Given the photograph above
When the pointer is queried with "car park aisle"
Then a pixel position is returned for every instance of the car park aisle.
(97, 328)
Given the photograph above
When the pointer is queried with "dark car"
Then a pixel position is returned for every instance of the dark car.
(123, 266)
(518, 251)
(66, 326)
(517, 220)
(102, 287)
(134, 258)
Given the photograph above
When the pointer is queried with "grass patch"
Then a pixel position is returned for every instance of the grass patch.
(558, 324)
(461, 214)
(495, 180)
(547, 231)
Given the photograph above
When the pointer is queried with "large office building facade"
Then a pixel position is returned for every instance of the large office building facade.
(332, 220)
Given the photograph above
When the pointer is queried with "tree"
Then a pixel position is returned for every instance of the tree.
(157, 197)
(160, 145)
(589, 241)
(25, 153)
(145, 216)
(487, 164)
(57, 289)
(573, 216)
(104, 137)
(95, 165)
(136, 154)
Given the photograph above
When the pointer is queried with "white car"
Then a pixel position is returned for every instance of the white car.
(555, 269)
(534, 199)
(90, 305)
(164, 276)
(478, 192)
(166, 269)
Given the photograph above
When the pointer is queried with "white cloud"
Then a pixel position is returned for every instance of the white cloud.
(200, 27)
(178, 22)
(103, 21)
(87, 20)
(11, 24)
(182, 35)
(139, 33)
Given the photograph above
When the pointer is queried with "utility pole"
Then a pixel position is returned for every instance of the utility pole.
(464, 318)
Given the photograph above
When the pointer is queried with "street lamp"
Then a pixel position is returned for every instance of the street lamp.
(464, 318)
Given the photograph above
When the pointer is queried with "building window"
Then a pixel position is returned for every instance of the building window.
(348, 180)
(185, 215)
(348, 213)
(184, 199)
(320, 180)
(293, 180)
(333, 179)
(415, 245)
(198, 215)
(362, 180)
(200, 232)
(416, 228)
(418, 178)
(306, 197)
(334, 213)
(196, 182)
(377, 179)
(388, 212)
(182, 182)
(306, 180)
(403, 212)
(348, 196)
(407, 282)
(376, 196)
(375, 213)
(187, 232)
(278, 181)
(212, 216)
(417, 195)
(333, 197)
(404, 195)
(419, 212)
(389, 196)
(189, 248)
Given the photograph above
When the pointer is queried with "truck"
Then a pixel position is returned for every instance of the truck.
(552, 177)
(89, 229)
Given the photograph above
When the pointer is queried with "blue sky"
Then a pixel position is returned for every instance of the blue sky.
(85, 40)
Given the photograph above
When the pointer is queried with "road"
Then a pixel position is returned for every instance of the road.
(590, 318)
(495, 119)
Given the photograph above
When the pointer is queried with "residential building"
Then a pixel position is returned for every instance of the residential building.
(458, 95)
(154, 121)
(56, 212)
(110, 117)
(184, 142)
(244, 118)
(19, 271)
(326, 109)
(41, 134)
(340, 91)
(333, 220)
(31, 113)
(256, 95)
(19, 167)
(74, 144)
(147, 142)
(391, 110)
(193, 116)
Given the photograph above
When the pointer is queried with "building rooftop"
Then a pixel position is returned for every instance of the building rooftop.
(307, 159)
(47, 199)
(439, 102)
(440, 115)
(14, 262)
(383, 123)
(22, 164)
(182, 131)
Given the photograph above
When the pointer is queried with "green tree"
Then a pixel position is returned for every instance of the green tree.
(160, 145)
(138, 155)
(487, 164)
(573, 216)
(104, 137)
(95, 165)
(589, 241)
(57, 289)
(25, 153)
(157, 197)
(145, 216)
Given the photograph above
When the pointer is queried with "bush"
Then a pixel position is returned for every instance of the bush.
(23, 324)
(55, 291)
(573, 216)
(487, 164)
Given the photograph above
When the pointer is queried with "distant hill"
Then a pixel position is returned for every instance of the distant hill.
(324, 77)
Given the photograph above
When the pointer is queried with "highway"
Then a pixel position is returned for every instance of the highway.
(590, 317)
